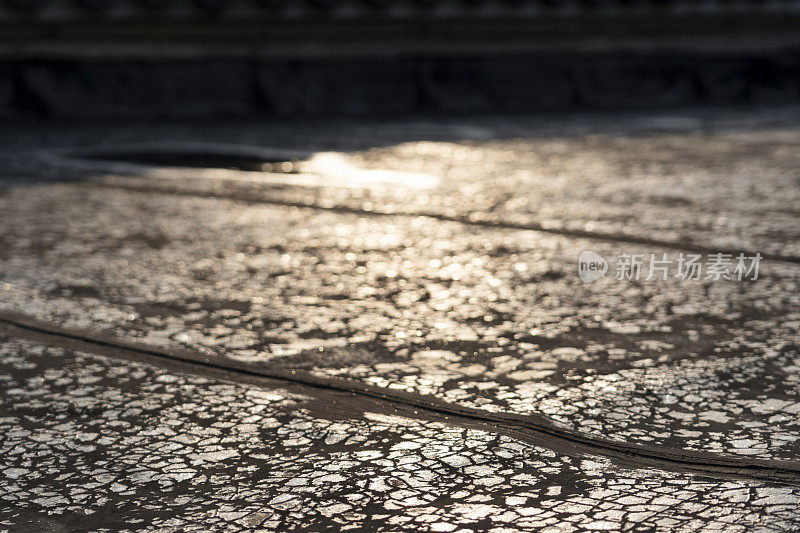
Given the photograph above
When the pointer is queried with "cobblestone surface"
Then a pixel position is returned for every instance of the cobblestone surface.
(109, 445)
(465, 305)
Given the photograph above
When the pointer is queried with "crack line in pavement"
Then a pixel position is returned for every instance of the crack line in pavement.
(532, 428)
(469, 219)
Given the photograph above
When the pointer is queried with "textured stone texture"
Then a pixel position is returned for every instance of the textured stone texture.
(93, 445)
(404, 83)
(135, 89)
(6, 89)
(371, 10)
(446, 280)
(356, 87)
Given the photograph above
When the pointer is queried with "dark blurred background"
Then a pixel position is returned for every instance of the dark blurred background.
(179, 58)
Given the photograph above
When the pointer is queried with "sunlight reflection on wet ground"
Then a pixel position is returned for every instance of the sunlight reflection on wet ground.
(474, 314)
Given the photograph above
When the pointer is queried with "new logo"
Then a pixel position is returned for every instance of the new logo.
(591, 266)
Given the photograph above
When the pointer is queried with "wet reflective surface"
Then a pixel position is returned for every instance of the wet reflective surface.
(472, 305)
(143, 447)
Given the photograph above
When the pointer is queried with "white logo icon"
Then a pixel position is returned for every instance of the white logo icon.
(591, 266)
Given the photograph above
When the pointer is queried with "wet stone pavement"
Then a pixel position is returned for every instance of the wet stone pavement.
(391, 332)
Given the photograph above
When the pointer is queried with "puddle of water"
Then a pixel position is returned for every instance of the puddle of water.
(336, 166)
(239, 163)
(245, 162)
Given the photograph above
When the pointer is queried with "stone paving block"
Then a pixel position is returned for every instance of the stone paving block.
(6, 88)
(528, 83)
(194, 342)
(452, 84)
(501, 326)
(724, 80)
(149, 89)
(714, 180)
(84, 449)
(776, 79)
(633, 80)
(403, 83)
(338, 86)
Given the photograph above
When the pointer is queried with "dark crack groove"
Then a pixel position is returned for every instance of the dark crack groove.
(535, 429)
(471, 219)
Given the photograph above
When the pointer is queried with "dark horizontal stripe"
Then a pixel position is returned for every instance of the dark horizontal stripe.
(383, 8)
(400, 84)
